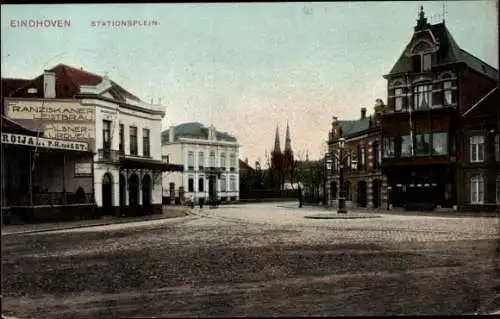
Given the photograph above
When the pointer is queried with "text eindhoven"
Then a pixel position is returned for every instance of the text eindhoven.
(42, 142)
(46, 23)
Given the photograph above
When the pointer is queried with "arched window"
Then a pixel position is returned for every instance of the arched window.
(212, 159)
(477, 189)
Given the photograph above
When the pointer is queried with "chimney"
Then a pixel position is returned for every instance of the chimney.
(363, 113)
(171, 134)
(246, 160)
(49, 84)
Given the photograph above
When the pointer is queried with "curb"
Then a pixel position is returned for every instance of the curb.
(338, 216)
(115, 222)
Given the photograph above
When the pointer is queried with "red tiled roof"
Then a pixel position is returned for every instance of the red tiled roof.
(68, 82)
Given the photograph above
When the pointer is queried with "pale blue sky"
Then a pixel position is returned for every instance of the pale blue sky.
(244, 67)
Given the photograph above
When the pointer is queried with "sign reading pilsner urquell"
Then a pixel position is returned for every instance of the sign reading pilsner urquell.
(61, 119)
(33, 141)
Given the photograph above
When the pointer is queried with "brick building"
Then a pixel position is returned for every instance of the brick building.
(435, 151)
(365, 185)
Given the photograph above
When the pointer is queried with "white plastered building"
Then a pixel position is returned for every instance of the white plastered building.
(210, 163)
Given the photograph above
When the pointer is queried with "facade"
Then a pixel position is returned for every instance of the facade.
(46, 152)
(210, 164)
(364, 183)
(426, 137)
(123, 173)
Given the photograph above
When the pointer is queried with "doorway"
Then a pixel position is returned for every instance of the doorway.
(146, 193)
(107, 194)
(376, 190)
(212, 187)
(133, 190)
(362, 194)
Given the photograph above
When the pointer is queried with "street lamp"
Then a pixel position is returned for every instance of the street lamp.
(340, 157)
(328, 170)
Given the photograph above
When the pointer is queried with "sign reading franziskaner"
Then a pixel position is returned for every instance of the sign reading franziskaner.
(33, 141)
(60, 111)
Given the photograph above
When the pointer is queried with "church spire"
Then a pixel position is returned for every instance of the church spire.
(288, 141)
(277, 146)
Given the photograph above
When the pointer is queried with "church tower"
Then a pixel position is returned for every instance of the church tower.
(288, 156)
(276, 155)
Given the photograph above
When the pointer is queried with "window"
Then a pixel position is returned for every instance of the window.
(376, 155)
(191, 184)
(406, 145)
(223, 161)
(146, 147)
(398, 99)
(476, 148)
(422, 96)
(201, 182)
(417, 63)
(201, 160)
(389, 146)
(440, 143)
(427, 62)
(233, 162)
(133, 140)
(106, 134)
(498, 189)
(232, 184)
(223, 184)
(190, 160)
(165, 159)
(212, 159)
(121, 147)
(476, 189)
(362, 158)
(423, 144)
(497, 147)
(447, 93)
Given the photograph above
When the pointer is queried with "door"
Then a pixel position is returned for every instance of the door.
(107, 194)
(212, 187)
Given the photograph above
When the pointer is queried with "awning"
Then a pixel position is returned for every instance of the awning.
(138, 163)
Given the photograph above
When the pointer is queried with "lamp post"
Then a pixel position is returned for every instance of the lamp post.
(342, 209)
(328, 170)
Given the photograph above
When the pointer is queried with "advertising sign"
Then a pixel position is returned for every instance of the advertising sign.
(25, 140)
(65, 120)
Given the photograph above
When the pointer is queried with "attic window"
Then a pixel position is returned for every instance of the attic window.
(483, 67)
(32, 90)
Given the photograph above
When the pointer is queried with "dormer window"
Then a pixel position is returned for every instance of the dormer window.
(427, 61)
(417, 63)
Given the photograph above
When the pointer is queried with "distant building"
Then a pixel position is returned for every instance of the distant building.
(209, 159)
(440, 125)
(282, 162)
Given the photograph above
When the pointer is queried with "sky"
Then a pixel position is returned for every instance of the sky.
(244, 67)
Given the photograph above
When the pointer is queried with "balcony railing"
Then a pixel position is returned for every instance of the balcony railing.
(109, 155)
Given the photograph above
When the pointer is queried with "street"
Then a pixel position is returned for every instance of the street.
(253, 260)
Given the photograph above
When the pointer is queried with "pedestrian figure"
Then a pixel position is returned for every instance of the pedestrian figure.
(201, 203)
(300, 197)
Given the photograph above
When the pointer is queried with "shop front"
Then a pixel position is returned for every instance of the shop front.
(422, 187)
(45, 179)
